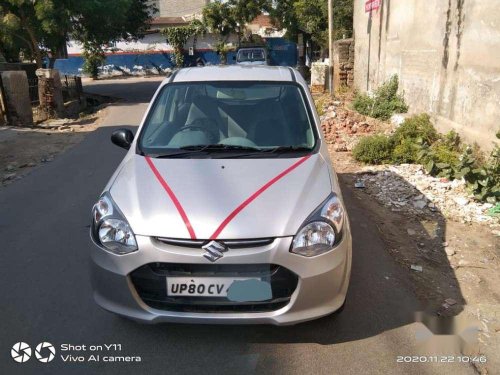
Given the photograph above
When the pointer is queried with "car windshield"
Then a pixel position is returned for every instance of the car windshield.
(251, 55)
(217, 118)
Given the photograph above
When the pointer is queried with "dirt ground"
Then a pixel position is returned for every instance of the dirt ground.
(459, 262)
(22, 149)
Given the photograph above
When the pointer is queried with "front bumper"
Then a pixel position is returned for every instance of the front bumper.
(321, 289)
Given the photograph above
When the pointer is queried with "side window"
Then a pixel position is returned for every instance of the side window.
(161, 106)
(297, 117)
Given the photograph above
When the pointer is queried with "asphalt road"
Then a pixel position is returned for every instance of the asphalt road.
(46, 294)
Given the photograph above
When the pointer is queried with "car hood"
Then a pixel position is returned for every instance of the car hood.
(209, 191)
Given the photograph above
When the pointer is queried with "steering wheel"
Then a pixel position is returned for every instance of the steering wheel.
(204, 125)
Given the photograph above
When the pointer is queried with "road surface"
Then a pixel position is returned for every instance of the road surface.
(45, 288)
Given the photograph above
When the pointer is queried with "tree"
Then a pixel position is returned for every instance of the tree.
(244, 11)
(230, 17)
(220, 20)
(177, 38)
(312, 16)
(95, 23)
(284, 17)
(199, 28)
(40, 26)
(10, 46)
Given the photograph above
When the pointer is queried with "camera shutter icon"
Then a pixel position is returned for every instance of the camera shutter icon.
(45, 352)
(21, 352)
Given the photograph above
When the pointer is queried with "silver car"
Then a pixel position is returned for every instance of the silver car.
(225, 208)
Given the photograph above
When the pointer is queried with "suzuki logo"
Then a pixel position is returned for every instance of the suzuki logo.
(214, 250)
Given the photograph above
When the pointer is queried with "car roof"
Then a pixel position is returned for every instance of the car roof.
(234, 73)
(251, 49)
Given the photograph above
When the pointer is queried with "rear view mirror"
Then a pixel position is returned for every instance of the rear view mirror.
(122, 138)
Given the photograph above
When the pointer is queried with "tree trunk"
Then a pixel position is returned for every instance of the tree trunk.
(33, 41)
(36, 49)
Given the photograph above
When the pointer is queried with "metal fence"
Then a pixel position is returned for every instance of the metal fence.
(71, 90)
(71, 87)
(33, 88)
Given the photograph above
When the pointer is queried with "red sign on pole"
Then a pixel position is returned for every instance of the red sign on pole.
(372, 5)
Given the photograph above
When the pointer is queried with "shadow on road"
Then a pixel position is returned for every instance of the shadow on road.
(133, 90)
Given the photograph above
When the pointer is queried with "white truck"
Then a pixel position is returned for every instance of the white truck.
(252, 56)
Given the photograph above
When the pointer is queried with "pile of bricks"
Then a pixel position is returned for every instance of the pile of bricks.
(342, 127)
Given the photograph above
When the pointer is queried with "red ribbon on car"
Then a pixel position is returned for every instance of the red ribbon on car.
(172, 196)
(236, 211)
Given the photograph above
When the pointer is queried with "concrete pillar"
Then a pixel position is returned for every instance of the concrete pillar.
(17, 97)
(319, 74)
(50, 92)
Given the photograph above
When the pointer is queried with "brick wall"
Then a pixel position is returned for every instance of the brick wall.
(343, 63)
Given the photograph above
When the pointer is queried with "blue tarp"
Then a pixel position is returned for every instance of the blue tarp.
(281, 52)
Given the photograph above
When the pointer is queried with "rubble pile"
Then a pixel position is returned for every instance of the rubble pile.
(343, 127)
(407, 188)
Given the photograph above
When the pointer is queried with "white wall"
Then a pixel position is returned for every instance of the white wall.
(154, 43)
(447, 55)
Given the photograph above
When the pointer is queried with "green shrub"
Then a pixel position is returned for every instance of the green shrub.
(93, 59)
(483, 182)
(362, 103)
(177, 37)
(415, 128)
(405, 152)
(385, 102)
(416, 140)
(374, 149)
(452, 140)
(443, 153)
(320, 102)
(438, 159)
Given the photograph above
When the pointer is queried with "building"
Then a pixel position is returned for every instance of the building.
(152, 53)
(263, 27)
(445, 53)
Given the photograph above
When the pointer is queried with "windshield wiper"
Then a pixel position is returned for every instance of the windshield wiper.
(280, 149)
(273, 150)
(187, 150)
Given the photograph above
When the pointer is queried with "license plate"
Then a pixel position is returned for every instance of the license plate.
(201, 286)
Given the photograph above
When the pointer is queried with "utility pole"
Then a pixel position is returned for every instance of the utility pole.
(330, 47)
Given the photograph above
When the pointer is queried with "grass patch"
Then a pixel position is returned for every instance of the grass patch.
(321, 102)
(385, 102)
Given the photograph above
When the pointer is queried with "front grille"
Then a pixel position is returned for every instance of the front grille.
(232, 244)
(150, 283)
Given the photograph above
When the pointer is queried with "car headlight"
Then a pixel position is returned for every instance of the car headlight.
(110, 229)
(322, 230)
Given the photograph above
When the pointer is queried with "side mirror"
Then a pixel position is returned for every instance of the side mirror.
(122, 138)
